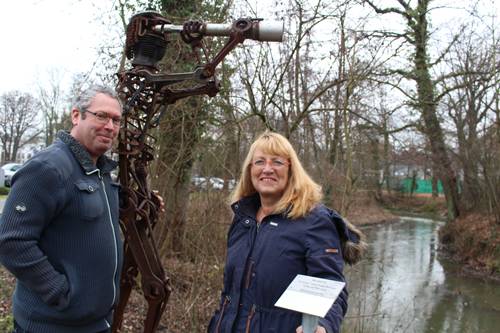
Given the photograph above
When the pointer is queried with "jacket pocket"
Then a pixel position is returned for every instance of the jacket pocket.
(90, 202)
(89, 300)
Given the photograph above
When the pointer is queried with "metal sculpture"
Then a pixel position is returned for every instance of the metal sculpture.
(146, 93)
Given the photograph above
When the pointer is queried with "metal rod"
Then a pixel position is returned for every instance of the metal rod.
(266, 31)
(309, 323)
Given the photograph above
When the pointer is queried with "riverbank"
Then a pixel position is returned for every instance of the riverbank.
(419, 206)
(369, 211)
(474, 242)
(365, 210)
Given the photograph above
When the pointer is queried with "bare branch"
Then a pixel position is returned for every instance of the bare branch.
(388, 10)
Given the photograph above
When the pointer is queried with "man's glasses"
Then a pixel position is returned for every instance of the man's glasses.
(103, 118)
(276, 163)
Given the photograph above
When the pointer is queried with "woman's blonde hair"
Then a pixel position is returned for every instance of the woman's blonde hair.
(301, 193)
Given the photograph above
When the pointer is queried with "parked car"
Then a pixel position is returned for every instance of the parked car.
(231, 183)
(205, 183)
(9, 170)
(216, 183)
(198, 182)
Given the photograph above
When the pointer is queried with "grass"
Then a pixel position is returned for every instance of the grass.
(4, 191)
(6, 289)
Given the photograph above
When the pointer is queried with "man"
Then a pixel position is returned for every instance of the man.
(59, 232)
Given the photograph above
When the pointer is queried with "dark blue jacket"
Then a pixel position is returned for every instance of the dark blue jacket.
(59, 236)
(263, 260)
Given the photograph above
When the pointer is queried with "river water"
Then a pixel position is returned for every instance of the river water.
(403, 286)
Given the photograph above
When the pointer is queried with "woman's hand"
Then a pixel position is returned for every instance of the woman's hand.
(319, 329)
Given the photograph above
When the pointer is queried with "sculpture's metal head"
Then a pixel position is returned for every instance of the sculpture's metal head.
(145, 46)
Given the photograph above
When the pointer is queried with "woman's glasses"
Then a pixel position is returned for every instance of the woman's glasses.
(275, 163)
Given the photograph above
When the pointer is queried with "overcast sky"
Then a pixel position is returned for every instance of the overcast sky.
(41, 35)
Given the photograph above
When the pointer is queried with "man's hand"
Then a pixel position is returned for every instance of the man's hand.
(319, 329)
(159, 200)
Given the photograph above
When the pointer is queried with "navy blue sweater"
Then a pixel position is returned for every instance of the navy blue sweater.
(59, 236)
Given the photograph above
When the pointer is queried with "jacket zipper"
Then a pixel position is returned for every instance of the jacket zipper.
(114, 241)
(114, 235)
(227, 299)
(249, 318)
(247, 278)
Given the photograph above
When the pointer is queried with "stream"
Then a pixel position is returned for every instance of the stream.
(403, 286)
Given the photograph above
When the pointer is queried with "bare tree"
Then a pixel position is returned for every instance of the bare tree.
(286, 87)
(417, 34)
(18, 120)
(471, 107)
(313, 89)
(51, 97)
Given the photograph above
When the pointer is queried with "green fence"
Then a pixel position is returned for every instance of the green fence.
(420, 186)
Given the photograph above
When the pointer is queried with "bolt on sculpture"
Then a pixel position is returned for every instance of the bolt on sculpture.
(145, 91)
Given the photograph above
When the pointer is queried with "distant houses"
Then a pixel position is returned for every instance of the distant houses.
(24, 153)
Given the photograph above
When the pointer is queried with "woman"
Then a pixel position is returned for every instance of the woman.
(280, 229)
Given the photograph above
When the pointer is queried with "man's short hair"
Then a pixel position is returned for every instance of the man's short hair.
(82, 101)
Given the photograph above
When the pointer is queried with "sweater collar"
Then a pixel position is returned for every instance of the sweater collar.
(104, 164)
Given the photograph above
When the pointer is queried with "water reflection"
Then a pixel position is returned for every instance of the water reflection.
(403, 287)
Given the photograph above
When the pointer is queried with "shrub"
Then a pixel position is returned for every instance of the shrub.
(4, 191)
(6, 323)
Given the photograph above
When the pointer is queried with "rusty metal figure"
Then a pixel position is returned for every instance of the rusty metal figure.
(146, 93)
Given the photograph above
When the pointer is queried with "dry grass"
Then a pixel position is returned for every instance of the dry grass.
(365, 210)
(474, 241)
(195, 274)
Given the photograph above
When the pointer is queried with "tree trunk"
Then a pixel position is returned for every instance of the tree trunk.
(387, 172)
(181, 126)
(428, 108)
(435, 188)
